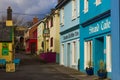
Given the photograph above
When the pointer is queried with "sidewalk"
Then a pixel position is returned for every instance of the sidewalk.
(74, 73)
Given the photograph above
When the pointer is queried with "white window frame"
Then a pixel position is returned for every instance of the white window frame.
(62, 16)
(86, 6)
(87, 54)
(74, 9)
(62, 54)
(78, 8)
(74, 52)
(98, 2)
(108, 53)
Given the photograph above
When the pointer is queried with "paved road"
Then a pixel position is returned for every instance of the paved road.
(32, 68)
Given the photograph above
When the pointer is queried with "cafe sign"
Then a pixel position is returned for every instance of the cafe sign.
(101, 26)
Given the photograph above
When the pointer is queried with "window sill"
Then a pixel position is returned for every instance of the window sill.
(97, 4)
(61, 24)
(73, 18)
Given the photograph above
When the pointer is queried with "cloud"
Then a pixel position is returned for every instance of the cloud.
(28, 6)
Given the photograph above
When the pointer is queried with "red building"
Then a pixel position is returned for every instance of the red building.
(31, 38)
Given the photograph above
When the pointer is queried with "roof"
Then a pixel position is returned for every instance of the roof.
(62, 3)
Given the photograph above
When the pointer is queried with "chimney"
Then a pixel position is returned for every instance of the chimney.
(35, 20)
(9, 21)
(9, 13)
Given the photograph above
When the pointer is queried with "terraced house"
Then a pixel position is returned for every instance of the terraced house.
(31, 38)
(69, 32)
(49, 42)
(95, 34)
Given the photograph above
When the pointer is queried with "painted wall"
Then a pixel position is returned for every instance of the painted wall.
(40, 37)
(68, 21)
(67, 53)
(9, 56)
(93, 10)
(54, 33)
(96, 32)
(69, 33)
(95, 26)
(6, 48)
(115, 17)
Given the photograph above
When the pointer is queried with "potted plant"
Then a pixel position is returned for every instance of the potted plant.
(89, 69)
(102, 73)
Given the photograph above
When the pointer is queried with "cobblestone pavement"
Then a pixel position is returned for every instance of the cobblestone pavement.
(31, 68)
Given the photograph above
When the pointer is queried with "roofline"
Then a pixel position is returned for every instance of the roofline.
(61, 3)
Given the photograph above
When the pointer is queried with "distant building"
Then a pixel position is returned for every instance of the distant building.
(31, 38)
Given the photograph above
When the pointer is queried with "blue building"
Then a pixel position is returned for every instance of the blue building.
(69, 32)
(95, 34)
(115, 32)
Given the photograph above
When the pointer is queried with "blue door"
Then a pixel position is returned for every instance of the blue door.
(99, 52)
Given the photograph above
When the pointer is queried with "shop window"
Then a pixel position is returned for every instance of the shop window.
(86, 6)
(74, 52)
(98, 2)
(87, 53)
(73, 9)
(51, 42)
(108, 53)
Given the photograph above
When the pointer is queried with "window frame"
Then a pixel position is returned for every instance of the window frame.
(51, 42)
(98, 2)
(74, 9)
(62, 16)
(86, 6)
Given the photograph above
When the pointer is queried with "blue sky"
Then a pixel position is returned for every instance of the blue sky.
(28, 8)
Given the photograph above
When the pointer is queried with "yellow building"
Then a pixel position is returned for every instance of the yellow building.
(54, 40)
(7, 39)
(40, 40)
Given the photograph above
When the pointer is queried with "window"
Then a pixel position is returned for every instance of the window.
(85, 6)
(78, 8)
(73, 9)
(87, 53)
(47, 24)
(51, 22)
(62, 16)
(74, 52)
(108, 53)
(51, 42)
(98, 2)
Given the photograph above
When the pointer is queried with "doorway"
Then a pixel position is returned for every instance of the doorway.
(99, 52)
(68, 54)
(33, 48)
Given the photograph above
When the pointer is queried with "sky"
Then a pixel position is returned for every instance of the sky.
(28, 8)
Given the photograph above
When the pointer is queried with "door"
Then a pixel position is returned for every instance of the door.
(68, 54)
(33, 48)
(99, 52)
(62, 54)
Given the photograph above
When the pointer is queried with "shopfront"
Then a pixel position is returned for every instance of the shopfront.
(96, 45)
(70, 49)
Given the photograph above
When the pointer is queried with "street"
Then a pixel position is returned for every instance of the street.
(31, 68)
